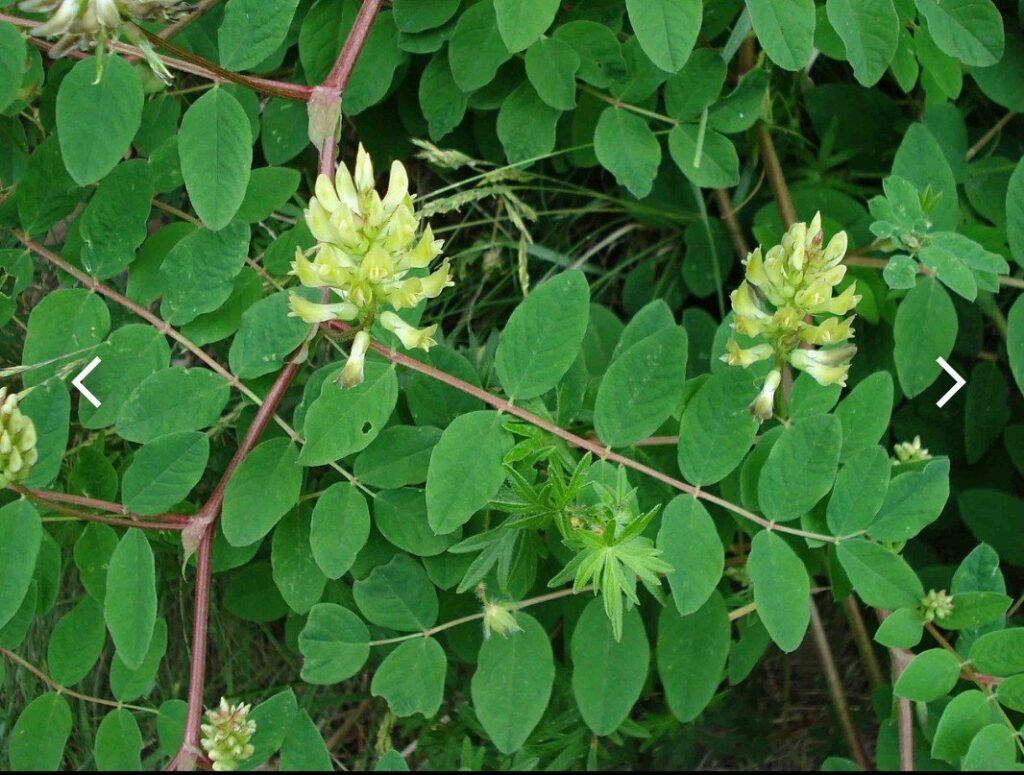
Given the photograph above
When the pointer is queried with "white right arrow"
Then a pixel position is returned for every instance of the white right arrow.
(958, 381)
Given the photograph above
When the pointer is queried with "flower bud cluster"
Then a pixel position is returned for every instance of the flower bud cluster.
(17, 441)
(226, 735)
(85, 24)
(787, 304)
(910, 452)
(936, 605)
(368, 254)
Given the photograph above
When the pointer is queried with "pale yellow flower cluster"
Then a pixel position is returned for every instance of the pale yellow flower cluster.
(84, 23)
(787, 304)
(367, 253)
(17, 441)
(226, 735)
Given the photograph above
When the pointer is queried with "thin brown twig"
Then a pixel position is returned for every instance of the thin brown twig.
(732, 223)
(21, 662)
(776, 178)
(835, 688)
(503, 405)
(169, 523)
(984, 140)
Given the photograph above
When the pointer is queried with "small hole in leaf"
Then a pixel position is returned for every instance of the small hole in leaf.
(367, 426)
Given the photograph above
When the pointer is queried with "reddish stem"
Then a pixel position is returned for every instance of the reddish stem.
(334, 86)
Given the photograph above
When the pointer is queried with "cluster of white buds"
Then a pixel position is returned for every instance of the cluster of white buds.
(17, 440)
(88, 24)
(786, 303)
(936, 605)
(368, 254)
(498, 617)
(226, 735)
(910, 452)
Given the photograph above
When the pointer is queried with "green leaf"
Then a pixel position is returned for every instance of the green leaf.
(273, 719)
(696, 86)
(267, 336)
(296, 574)
(76, 642)
(1015, 215)
(64, 324)
(627, 148)
(92, 553)
(921, 160)
(164, 472)
(129, 606)
(690, 543)
(526, 125)
(170, 401)
(1015, 340)
(993, 749)
(12, 59)
(251, 593)
(476, 49)
(743, 106)
(859, 492)
(215, 146)
(262, 489)
(128, 684)
(881, 577)
(97, 121)
(717, 428)
(118, 743)
(600, 52)
(870, 32)
(785, 28)
(423, 658)
(512, 683)
(999, 653)
(965, 715)
(551, 66)
(401, 517)
(1010, 692)
(454, 491)
(345, 420)
(608, 675)
(442, 102)
(415, 16)
(913, 501)
(641, 388)
(399, 456)
(334, 644)
(666, 29)
(995, 517)
(521, 22)
(40, 734)
(199, 272)
(925, 330)
(717, 165)
(932, 674)
(398, 596)
(692, 652)
(782, 589)
(46, 193)
(865, 413)
(810, 447)
(902, 629)
(975, 609)
(252, 30)
(304, 749)
(269, 188)
(21, 533)
(339, 529)
(113, 225)
(543, 335)
(970, 30)
(131, 354)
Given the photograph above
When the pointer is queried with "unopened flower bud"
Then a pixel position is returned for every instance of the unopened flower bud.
(17, 440)
(763, 407)
(227, 734)
(410, 336)
(352, 373)
(936, 606)
(498, 618)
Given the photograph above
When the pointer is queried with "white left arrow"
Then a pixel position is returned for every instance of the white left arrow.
(77, 382)
(958, 382)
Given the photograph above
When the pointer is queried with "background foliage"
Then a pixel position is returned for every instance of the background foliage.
(597, 168)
